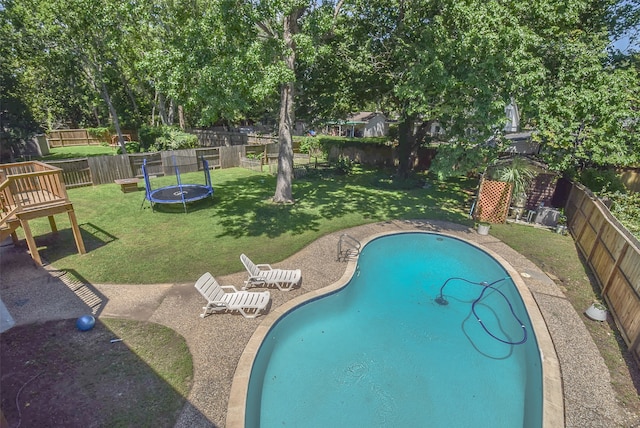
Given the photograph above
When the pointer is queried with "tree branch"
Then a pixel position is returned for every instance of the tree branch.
(268, 33)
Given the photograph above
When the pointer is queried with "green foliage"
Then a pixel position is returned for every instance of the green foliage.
(518, 172)
(175, 140)
(148, 134)
(626, 208)
(131, 146)
(392, 132)
(458, 159)
(602, 181)
(102, 133)
(256, 156)
(313, 146)
(585, 118)
(344, 165)
(170, 138)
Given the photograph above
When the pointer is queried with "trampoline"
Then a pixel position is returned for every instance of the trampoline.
(178, 193)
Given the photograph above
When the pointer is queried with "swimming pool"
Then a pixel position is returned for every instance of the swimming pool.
(382, 352)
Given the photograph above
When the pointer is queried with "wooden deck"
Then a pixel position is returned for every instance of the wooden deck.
(30, 190)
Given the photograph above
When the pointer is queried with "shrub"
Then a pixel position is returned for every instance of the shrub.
(313, 146)
(601, 180)
(131, 146)
(102, 133)
(174, 139)
(344, 165)
(626, 208)
(148, 134)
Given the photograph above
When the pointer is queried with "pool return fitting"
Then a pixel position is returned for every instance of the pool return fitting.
(485, 286)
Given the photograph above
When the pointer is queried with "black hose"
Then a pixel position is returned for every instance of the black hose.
(442, 301)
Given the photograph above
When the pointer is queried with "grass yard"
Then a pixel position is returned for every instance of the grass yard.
(54, 375)
(127, 244)
(71, 152)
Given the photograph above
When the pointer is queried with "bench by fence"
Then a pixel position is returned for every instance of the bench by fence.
(613, 254)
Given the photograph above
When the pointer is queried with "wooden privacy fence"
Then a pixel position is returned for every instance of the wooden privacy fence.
(209, 138)
(71, 137)
(82, 137)
(613, 254)
(105, 169)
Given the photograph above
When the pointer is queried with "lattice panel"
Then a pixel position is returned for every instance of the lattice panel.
(493, 201)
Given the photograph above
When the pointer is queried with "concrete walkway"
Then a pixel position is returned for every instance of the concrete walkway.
(33, 294)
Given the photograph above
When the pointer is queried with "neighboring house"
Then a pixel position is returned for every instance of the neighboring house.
(361, 124)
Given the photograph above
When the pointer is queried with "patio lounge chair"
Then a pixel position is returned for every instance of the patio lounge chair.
(248, 303)
(264, 274)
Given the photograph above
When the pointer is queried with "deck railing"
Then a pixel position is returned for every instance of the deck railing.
(29, 185)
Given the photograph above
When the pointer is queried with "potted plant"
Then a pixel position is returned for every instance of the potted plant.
(483, 228)
(597, 311)
(561, 226)
(519, 173)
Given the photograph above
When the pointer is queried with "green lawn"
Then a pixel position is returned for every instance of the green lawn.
(71, 152)
(126, 244)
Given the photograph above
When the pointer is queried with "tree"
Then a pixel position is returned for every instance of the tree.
(587, 114)
(88, 37)
(425, 60)
(461, 62)
(16, 119)
(278, 31)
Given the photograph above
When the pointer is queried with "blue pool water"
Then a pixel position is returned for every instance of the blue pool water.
(382, 352)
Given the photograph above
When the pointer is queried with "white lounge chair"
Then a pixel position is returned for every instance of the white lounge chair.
(249, 303)
(264, 274)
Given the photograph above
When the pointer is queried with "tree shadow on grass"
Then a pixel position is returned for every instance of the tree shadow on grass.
(245, 207)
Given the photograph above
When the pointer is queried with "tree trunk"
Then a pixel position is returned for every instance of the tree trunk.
(114, 115)
(405, 145)
(153, 109)
(171, 113)
(284, 192)
(162, 111)
(181, 120)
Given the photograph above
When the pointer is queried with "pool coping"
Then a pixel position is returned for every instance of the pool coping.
(553, 402)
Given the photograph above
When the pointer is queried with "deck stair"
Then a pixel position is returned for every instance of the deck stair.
(30, 190)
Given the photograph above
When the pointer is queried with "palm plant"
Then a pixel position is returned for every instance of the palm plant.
(519, 173)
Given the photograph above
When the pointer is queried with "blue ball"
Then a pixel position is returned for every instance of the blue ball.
(85, 322)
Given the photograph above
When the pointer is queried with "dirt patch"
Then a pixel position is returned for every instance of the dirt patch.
(55, 375)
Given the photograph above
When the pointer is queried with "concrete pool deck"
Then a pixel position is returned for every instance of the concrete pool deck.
(217, 342)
